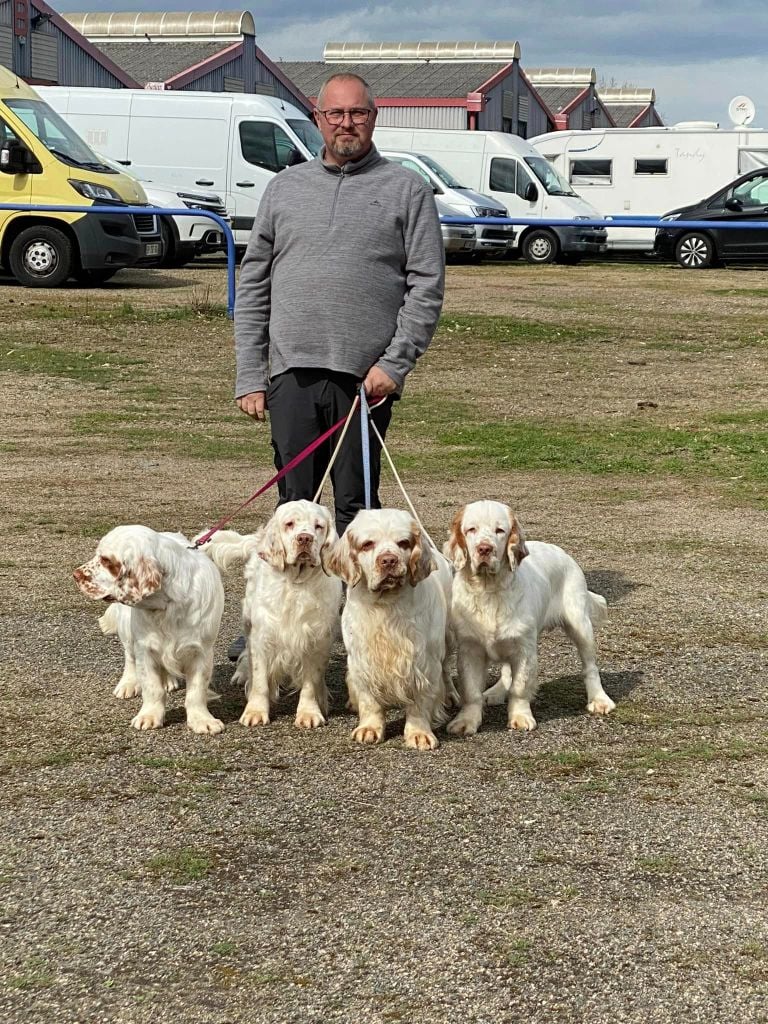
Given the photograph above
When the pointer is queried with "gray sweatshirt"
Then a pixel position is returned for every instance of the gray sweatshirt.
(344, 270)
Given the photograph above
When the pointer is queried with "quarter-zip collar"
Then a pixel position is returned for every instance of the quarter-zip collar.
(352, 166)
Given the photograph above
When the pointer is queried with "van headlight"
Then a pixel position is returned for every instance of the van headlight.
(92, 191)
(671, 216)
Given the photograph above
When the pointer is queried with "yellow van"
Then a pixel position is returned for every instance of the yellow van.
(44, 162)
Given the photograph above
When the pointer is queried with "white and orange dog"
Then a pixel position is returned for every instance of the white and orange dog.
(394, 624)
(505, 593)
(166, 602)
(290, 610)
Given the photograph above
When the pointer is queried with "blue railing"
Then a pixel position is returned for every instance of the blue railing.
(616, 222)
(158, 211)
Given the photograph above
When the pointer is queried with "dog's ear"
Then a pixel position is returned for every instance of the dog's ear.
(516, 548)
(342, 559)
(455, 548)
(421, 562)
(328, 545)
(270, 547)
(139, 579)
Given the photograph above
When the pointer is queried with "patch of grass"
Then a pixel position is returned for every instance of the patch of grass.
(192, 765)
(513, 330)
(658, 865)
(183, 865)
(518, 952)
(35, 973)
(224, 948)
(509, 896)
(201, 308)
(88, 367)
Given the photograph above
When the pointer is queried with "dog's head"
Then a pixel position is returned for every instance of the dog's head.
(125, 568)
(484, 536)
(300, 533)
(383, 547)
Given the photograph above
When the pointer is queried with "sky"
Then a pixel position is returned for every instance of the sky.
(696, 54)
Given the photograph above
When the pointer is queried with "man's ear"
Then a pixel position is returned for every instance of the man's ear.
(455, 548)
(516, 547)
(342, 560)
(271, 548)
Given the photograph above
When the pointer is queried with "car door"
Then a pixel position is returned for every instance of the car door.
(745, 202)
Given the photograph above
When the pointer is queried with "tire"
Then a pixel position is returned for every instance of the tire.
(93, 276)
(540, 246)
(695, 251)
(41, 257)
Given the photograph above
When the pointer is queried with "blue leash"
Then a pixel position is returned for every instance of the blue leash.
(366, 442)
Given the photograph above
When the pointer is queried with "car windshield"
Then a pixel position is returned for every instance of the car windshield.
(549, 177)
(445, 177)
(56, 135)
(308, 134)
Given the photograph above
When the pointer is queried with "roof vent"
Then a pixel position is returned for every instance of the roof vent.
(416, 52)
(561, 76)
(634, 96)
(158, 26)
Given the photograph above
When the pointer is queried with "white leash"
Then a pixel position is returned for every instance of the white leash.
(339, 443)
(400, 485)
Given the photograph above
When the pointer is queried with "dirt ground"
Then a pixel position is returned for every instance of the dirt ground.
(592, 871)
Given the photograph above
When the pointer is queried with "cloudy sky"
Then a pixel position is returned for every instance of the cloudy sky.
(697, 54)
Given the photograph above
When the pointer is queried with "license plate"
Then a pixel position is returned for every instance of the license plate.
(151, 248)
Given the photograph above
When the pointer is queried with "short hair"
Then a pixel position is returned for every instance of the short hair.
(349, 77)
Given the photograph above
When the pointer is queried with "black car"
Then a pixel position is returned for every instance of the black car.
(745, 199)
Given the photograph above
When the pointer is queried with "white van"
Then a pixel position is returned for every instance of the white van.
(230, 142)
(647, 171)
(510, 170)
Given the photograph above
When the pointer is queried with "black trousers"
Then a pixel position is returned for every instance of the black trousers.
(303, 403)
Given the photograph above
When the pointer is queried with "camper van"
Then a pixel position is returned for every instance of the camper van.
(229, 142)
(44, 162)
(645, 172)
(509, 170)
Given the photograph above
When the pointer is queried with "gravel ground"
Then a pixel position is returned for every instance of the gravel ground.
(593, 871)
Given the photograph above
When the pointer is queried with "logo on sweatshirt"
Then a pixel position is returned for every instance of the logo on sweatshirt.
(374, 202)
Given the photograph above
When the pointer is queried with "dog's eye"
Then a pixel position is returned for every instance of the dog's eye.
(318, 526)
(404, 545)
(499, 529)
(290, 524)
(471, 529)
(367, 546)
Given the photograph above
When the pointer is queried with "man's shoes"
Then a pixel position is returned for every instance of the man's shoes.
(236, 648)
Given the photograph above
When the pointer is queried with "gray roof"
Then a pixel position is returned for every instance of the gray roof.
(625, 113)
(439, 79)
(558, 97)
(157, 62)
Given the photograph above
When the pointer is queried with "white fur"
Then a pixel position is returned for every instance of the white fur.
(290, 609)
(505, 593)
(166, 603)
(394, 624)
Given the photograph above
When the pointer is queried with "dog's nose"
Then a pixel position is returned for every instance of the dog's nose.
(304, 539)
(387, 561)
(484, 549)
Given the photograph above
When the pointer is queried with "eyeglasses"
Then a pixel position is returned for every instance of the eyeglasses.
(335, 117)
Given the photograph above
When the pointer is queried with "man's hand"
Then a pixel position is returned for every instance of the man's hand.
(378, 384)
(254, 404)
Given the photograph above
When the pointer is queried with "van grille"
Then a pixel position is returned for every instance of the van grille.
(146, 223)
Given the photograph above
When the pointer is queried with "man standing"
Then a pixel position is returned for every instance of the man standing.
(342, 283)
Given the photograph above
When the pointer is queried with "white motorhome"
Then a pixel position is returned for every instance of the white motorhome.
(646, 172)
(230, 142)
(510, 170)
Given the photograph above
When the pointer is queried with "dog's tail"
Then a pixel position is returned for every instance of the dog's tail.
(227, 547)
(108, 621)
(598, 609)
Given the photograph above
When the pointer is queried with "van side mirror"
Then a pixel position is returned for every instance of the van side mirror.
(735, 205)
(531, 193)
(295, 157)
(15, 158)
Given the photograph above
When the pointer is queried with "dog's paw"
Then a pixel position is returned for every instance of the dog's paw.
(496, 695)
(254, 717)
(127, 689)
(240, 677)
(367, 734)
(171, 684)
(420, 740)
(466, 723)
(204, 724)
(522, 720)
(309, 720)
(601, 705)
(148, 720)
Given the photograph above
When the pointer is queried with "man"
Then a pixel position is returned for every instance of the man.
(342, 283)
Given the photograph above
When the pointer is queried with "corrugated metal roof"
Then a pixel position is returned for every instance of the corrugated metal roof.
(157, 62)
(461, 51)
(562, 76)
(179, 25)
(441, 80)
(628, 95)
(558, 98)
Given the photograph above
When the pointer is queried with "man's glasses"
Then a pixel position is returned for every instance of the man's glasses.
(335, 117)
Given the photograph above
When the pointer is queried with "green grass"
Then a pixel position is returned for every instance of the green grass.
(34, 974)
(182, 866)
(658, 865)
(192, 765)
(199, 310)
(513, 330)
(87, 367)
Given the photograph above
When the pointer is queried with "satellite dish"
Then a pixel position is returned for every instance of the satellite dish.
(741, 111)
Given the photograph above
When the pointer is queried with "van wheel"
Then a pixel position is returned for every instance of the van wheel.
(695, 251)
(41, 257)
(172, 254)
(94, 276)
(540, 246)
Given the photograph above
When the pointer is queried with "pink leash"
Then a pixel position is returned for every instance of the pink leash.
(278, 476)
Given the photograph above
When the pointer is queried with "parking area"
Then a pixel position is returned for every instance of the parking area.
(590, 871)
